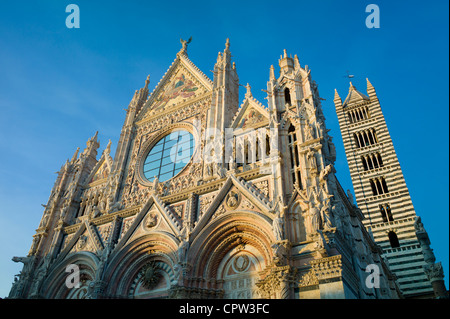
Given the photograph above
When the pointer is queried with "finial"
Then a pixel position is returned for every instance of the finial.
(75, 156)
(284, 53)
(108, 147)
(227, 44)
(336, 94)
(296, 62)
(147, 81)
(272, 72)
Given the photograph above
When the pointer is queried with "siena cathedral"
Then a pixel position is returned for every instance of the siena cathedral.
(210, 196)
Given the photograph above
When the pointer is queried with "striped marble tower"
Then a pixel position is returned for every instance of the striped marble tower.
(382, 195)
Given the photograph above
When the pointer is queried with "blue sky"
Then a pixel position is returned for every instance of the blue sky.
(58, 86)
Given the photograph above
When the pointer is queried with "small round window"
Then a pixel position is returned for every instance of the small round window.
(169, 156)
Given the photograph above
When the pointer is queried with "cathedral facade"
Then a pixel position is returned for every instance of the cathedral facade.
(208, 196)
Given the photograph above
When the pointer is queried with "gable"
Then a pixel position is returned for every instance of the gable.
(182, 83)
(354, 96)
(102, 172)
(251, 114)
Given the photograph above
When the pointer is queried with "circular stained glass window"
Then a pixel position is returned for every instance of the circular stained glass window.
(169, 156)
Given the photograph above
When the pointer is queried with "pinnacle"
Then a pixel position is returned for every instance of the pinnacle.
(336, 94)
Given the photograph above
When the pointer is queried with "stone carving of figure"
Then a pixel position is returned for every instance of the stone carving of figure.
(350, 197)
(135, 186)
(184, 44)
(314, 215)
(177, 274)
(325, 214)
(309, 132)
(209, 169)
(231, 162)
(64, 212)
(113, 207)
(152, 220)
(45, 218)
(95, 212)
(182, 250)
(418, 225)
(313, 219)
(155, 183)
(325, 172)
(338, 214)
(277, 225)
(312, 159)
(82, 242)
(102, 204)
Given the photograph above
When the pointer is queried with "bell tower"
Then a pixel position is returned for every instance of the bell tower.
(382, 194)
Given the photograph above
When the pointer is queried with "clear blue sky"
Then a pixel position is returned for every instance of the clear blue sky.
(58, 86)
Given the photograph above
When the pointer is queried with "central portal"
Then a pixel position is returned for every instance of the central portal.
(240, 276)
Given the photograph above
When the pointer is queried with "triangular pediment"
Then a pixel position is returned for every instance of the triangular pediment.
(251, 114)
(86, 238)
(354, 96)
(183, 82)
(243, 194)
(153, 216)
(102, 168)
(101, 172)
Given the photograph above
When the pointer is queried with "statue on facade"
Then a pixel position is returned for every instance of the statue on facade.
(325, 215)
(277, 226)
(350, 197)
(312, 159)
(182, 250)
(184, 44)
(325, 172)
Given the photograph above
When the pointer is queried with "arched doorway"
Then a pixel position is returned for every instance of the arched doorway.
(240, 274)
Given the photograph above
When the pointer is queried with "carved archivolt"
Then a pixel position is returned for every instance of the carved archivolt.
(126, 263)
(221, 236)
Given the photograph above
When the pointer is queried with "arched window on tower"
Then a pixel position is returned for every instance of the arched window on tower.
(295, 162)
(393, 239)
(386, 213)
(357, 142)
(287, 96)
(364, 162)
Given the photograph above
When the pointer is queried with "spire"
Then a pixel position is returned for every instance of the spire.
(92, 143)
(227, 52)
(94, 138)
(272, 73)
(286, 63)
(352, 87)
(336, 95)
(337, 98)
(108, 148)
(370, 89)
(296, 62)
(75, 156)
